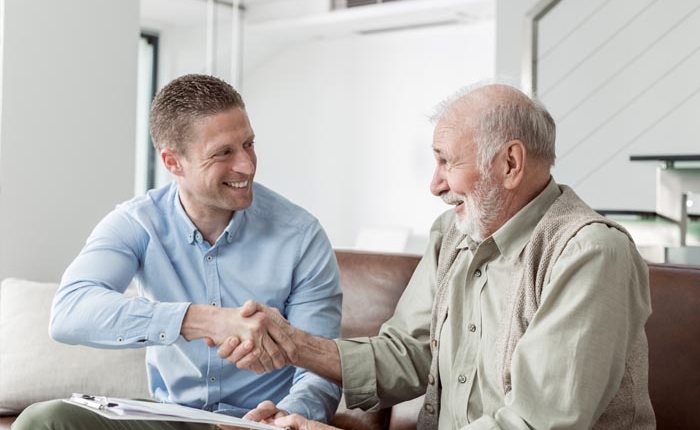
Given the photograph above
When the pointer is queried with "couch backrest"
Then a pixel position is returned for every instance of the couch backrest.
(373, 282)
(673, 331)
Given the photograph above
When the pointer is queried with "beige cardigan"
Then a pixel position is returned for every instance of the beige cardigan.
(630, 408)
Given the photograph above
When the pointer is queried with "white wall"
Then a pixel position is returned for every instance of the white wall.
(342, 127)
(341, 121)
(67, 127)
(619, 77)
(510, 34)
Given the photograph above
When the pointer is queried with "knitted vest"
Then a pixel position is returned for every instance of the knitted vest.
(630, 407)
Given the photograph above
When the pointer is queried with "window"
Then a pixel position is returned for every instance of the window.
(146, 86)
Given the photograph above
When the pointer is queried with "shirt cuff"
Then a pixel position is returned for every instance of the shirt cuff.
(166, 323)
(359, 373)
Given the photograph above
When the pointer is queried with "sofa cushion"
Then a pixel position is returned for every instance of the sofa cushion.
(35, 368)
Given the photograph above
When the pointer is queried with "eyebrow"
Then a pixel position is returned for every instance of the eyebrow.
(439, 152)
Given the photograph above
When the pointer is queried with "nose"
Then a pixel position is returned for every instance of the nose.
(439, 185)
(243, 162)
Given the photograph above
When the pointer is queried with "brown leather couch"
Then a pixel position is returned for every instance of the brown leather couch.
(372, 284)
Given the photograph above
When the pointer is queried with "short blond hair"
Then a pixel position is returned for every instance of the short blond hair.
(184, 101)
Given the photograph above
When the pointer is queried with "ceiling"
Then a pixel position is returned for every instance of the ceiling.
(194, 12)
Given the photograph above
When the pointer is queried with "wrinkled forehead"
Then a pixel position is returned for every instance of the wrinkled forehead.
(453, 139)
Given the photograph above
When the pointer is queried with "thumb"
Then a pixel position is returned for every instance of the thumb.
(249, 308)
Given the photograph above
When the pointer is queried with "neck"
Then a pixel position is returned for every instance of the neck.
(518, 198)
(210, 222)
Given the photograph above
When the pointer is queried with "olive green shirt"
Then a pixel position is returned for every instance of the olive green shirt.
(565, 369)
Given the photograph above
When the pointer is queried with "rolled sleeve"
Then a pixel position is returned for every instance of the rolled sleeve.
(359, 373)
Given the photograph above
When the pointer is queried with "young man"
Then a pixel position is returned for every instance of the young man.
(198, 249)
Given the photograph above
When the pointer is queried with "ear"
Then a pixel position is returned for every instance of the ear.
(514, 158)
(171, 161)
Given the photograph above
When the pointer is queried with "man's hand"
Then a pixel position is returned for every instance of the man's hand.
(266, 412)
(233, 326)
(243, 354)
(297, 422)
(297, 347)
(289, 422)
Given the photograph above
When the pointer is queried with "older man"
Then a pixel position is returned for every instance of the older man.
(528, 308)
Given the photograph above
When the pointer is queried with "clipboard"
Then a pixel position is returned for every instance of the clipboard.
(115, 408)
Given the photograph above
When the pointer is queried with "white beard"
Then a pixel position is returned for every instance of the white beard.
(481, 208)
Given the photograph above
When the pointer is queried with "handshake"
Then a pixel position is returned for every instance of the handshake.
(258, 338)
(265, 342)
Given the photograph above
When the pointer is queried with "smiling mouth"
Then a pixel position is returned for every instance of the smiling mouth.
(237, 185)
(452, 200)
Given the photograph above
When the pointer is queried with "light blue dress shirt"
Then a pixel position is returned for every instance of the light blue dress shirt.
(273, 252)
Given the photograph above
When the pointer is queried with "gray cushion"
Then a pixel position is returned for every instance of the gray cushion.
(35, 368)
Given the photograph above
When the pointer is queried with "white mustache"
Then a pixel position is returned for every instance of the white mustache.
(452, 198)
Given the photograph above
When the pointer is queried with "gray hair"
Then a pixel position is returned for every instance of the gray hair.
(504, 114)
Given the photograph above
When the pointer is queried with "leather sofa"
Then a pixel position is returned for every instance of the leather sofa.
(373, 282)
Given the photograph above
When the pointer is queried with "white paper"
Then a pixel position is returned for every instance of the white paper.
(116, 408)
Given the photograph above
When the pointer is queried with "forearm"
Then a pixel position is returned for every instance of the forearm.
(96, 316)
(311, 396)
(318, 355)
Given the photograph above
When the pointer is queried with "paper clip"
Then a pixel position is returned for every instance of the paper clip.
(96, 402)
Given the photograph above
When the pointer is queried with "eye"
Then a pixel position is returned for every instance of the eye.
(223, 153)
(248, 145)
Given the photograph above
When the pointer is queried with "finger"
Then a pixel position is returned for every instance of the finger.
(264, 358)
(279, 358)
(227, 347)
(283, 341)
(209, 341)
(264, 410)
(292, 422)
(244, 349)
(249, 308)
(246, 362)
(257, 367)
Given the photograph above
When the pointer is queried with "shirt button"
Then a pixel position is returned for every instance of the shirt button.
(209, 258)
(212, 379)
(477, 273)
(213, 303)
(429, 409)
(472, 327)
(162, 336)
(462, 379)
(120, 339)
(431, 379)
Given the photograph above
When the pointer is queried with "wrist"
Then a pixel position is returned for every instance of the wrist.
(317, 354)
(198, 321)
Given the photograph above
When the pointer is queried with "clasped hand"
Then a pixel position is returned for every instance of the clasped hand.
(270, 346)
(253, 337)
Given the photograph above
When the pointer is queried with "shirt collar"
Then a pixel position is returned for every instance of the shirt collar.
(190, 231)
(512, 237)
